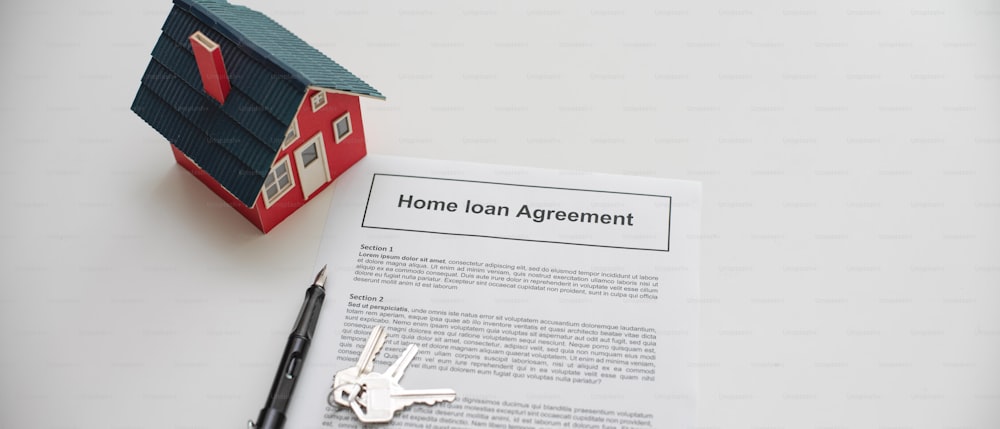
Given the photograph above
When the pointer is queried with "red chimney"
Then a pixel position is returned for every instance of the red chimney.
(210, 65)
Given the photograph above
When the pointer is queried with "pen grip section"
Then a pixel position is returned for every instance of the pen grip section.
(305, 324)
(288, 372)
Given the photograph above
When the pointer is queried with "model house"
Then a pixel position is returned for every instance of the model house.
(259, 116)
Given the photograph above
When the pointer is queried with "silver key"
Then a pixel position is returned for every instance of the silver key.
(381, 397)
(396, 370)
(345, 381)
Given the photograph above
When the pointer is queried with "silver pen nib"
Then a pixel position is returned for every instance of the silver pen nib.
(320, 278)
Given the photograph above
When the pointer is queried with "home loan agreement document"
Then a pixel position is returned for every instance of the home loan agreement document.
(543, 298)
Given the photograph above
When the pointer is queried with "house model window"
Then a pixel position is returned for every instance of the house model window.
(278, 182)
(309, 154)
(342, 127)
(318, 100)
(292, 134)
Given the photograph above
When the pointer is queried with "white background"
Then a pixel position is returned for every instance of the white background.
(849, 152)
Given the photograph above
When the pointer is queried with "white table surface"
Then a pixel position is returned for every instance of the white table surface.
(849, 153)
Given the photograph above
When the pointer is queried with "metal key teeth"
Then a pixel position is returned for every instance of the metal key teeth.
(432, 401)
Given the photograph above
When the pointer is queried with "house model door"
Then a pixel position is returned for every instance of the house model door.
(310, 159)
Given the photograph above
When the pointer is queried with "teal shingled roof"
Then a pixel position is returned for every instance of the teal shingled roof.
(270, 40)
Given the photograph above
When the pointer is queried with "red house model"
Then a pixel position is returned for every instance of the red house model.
(259, 116)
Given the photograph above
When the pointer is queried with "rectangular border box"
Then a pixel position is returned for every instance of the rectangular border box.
(371, 188)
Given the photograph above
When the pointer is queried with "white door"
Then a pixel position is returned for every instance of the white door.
(311, 161)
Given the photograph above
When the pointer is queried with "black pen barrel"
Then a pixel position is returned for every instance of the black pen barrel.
(272, 416)
(305, 325)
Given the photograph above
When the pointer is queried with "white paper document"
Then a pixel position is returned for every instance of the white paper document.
(543, 298)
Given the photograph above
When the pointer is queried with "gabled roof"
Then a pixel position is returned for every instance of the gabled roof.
(269, 39)
(269, 70)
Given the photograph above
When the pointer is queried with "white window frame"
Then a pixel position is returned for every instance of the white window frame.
(320, 151)
(318, 100)
(292, 135)
(268, 202)
(350, 128)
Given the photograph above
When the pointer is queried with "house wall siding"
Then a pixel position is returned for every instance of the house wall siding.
(340, 156)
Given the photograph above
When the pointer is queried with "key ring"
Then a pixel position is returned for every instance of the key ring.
(331, 399)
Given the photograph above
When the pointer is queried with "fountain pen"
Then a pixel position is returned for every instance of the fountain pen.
(272, 416)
